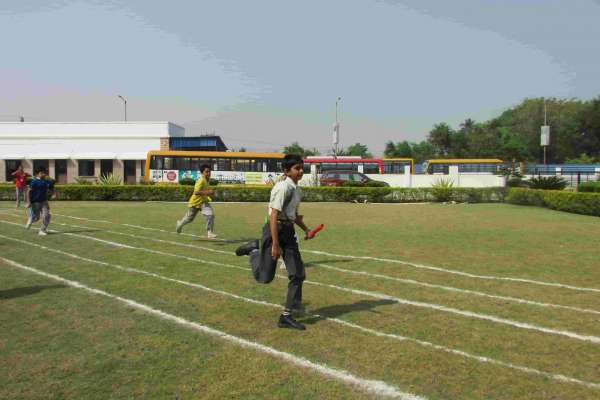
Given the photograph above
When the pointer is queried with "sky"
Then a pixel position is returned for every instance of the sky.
(265, 73)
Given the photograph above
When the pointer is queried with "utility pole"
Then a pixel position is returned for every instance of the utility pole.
(336, 129)
(125, 104)
(545, 134)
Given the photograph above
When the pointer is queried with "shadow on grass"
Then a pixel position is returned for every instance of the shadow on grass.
(341, 309)
(26, 291)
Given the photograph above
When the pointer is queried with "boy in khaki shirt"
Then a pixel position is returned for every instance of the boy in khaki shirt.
(279, 240)
(200, 201)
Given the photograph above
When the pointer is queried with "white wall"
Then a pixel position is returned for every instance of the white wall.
(54, 130)
(72, 146)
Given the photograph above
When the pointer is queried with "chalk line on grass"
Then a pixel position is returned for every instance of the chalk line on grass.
(395, 261)
(369, 274)
(469, 314)
(376, 387)
(557, 377)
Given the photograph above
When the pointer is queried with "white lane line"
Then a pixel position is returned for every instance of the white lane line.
(395, 261)
(199, 286)
(461, 273)
(369, 274)
(83, 219)
(376, 387)
(556, 377)
(469, 314)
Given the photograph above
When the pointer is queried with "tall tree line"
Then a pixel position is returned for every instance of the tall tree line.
(515, 135)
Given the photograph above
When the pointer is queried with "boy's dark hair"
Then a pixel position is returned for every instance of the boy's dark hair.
(39, 169)
(290, 160)
(203, 167)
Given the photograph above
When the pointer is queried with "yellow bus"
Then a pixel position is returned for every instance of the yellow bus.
(227, 167)
(465, 165)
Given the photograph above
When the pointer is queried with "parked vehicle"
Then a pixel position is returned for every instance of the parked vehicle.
(348, 178)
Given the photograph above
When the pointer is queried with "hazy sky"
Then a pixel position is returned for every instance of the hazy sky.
(265, 73)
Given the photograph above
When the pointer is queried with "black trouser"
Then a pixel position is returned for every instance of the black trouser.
(264, 266)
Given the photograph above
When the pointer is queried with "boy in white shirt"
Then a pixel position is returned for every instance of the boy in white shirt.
(279, 240)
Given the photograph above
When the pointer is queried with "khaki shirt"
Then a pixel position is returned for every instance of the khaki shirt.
(280, 191)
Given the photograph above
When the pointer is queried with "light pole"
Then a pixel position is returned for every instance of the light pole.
(336, 128)
(545, 134)
(125, 104)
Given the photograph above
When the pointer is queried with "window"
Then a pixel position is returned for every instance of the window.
(106, 167)
(371, 168)
(41, 163)
(86, 167)
(11, 166)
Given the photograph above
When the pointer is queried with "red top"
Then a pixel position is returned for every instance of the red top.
(20, 179)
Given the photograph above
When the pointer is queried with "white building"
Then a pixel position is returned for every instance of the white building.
(82, 150)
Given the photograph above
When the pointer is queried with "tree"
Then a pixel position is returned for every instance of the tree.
(295, 148)
(390, 150)
(440, 137)
(357, 149)
(422, 151)
(404, 150)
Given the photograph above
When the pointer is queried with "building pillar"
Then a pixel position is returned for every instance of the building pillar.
(138, 171)
(72, 172)
(454, 175)
(51, 169)
(2, 171)
(27, 166)
(407, 177)
(119, 170)
(164, 143)
(97, 169)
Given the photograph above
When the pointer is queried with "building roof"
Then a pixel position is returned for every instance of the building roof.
(116, 129)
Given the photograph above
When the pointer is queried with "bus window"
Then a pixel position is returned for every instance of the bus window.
(371, 168)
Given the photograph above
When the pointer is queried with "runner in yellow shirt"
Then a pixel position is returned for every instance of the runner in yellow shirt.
(200, 201)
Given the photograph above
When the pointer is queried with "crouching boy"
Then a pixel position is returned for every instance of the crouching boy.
(279, 240)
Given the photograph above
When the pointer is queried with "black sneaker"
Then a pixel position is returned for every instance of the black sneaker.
(247, 248)
(287, 321)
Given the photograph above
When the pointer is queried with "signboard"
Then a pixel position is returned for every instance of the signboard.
(156, 175)
(545, 136)
(189, 174)
(228, 176)
(170, 176)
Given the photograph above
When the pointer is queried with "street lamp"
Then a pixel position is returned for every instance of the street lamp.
(125, 104)
(336, 128)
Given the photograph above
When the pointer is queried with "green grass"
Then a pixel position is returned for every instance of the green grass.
(61, 342)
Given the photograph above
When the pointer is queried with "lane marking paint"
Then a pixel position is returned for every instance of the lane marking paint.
(376, 387)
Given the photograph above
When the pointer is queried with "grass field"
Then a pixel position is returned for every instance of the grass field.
(431, 301)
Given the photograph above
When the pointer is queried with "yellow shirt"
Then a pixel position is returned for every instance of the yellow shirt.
(196, 200)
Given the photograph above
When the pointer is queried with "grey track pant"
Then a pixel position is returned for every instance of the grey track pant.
(40, 209)
(206, 211)
(264, 267)
(20, 195)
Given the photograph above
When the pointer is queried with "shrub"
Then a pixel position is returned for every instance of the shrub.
(187, 181)
(83, 181)
(442, 189)
(213, 182)
(580, 203)
(589, 187)
(547, 183)
(175, 192)
(109, 179)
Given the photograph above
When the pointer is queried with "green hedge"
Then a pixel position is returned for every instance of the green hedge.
(261, 194)
(589, 187)
(579, 203)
